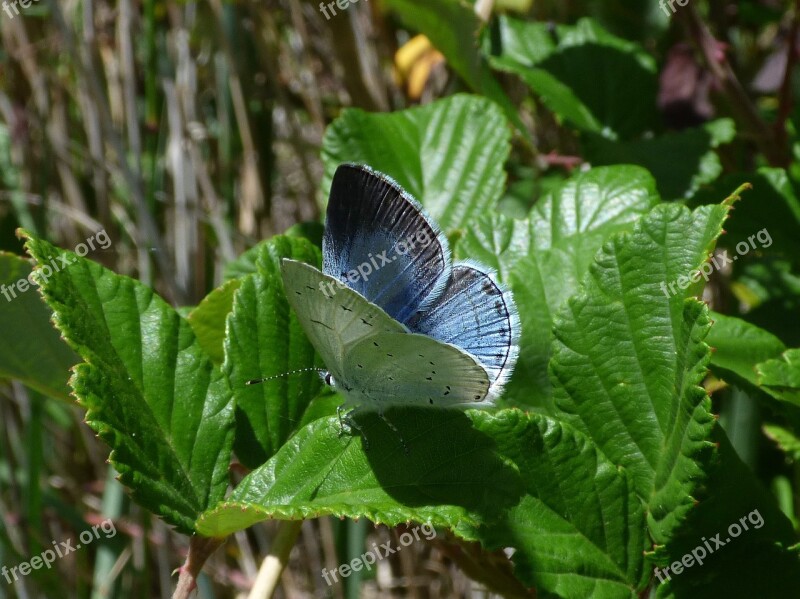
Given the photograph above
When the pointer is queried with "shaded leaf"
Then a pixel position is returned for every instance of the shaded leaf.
(582, 73)
(452, 474)
(771, 205)
(579, 529)
(693, 160)
(759, 561)
(32, 350)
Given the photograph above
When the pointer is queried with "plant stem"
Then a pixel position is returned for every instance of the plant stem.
(271, 568)
(200, 549)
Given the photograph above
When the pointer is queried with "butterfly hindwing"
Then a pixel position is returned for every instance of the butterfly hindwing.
(379, 240)
(478, 315)
(333, 317)
(406, 369)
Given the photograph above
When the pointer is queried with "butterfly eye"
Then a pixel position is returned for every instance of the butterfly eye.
(328, 379)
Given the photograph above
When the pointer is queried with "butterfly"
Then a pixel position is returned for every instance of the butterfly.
(394, 320)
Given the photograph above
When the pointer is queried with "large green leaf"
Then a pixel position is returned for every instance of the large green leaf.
(264, 339)
(564, 231)
(628, 360)
(449, 155)
(581, 73)
(149, 390)
(579, 529)
(452, 475)
(31, 351)
(508, 478)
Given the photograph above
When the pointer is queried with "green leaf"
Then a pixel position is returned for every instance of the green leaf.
(495, 240)
(772, 206)
(693, 160)
(208, 319)
(449, 154)
(739, 346)
(31, 351)
(759, 561)
(785, 439)
(579, 529)
(451, 475)
(453, 27)
(770, 288)
(628, 360)
(565, 230)
(265, 339)
(582, 73)
(150, 391)
(245, 264)
(781, 377)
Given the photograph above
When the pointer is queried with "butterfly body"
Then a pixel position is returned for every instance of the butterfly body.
(395, 322)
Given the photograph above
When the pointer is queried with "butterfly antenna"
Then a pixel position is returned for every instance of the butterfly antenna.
(277, 376)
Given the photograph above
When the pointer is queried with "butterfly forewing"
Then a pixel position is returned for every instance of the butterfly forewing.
(379, 240)
(403, 368)
(333, 317)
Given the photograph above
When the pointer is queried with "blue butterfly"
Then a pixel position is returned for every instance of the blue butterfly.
(395, 322)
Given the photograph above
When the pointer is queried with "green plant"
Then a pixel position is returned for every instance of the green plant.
(603, 463)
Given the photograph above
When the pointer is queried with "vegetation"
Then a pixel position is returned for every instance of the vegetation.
(628, 168)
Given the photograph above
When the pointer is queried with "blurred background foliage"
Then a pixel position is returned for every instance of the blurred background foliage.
(190, 131)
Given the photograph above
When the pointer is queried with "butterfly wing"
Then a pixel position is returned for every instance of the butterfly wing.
(405, 369)
(478, 315)
(379, 241)
(333, 317)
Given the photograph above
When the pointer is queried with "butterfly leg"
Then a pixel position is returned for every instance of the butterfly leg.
(396, 432)
(346, 422)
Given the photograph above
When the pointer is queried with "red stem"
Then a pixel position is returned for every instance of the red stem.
(200, 549)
